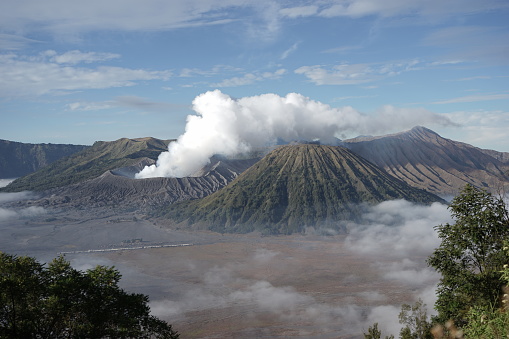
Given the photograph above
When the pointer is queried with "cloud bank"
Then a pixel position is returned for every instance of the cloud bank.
(228, 126)
(50, 73)
(9, 213)
(395, 236)
(5, 182)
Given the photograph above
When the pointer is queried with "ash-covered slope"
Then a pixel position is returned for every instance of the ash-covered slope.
(295, 187)
(119, 189)
(90, 163)
(18, 159)
(424, 159)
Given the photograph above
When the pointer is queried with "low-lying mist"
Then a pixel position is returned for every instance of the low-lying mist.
(12, 213)
(5, 182)
(317, 286)
(248, 286)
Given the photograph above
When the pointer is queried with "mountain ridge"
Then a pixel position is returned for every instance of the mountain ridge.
(90, 163)
(18, 159)
(425, 160)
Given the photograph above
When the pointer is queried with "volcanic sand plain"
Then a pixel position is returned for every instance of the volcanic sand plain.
(226, 286)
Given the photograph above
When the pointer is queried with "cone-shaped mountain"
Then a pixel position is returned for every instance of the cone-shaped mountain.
(295, 187)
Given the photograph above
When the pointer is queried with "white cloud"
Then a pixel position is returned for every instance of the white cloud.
(76, 57)
(8, 197)
(5, 182)
(249, 78)
(398, 228)
(483, 128)
(354, 74)
(289, 51)
(409, 272)
(474, 43)
(223, 125)
(6, 214)
(127, 101)
(22, 76)
(217, 69)
(302, 11)
(265, 24)
(29, 212)
(475, 98)
(433, 9)
(88, 106)
(64, 17)
(392, 232)
(11, 42)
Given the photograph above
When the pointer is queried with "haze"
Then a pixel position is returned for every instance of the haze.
(245, 285)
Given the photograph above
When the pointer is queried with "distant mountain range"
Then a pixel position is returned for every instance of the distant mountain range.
(18, 159)
(291, 188)
(89, 163)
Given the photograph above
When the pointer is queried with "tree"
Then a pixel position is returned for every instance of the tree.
(470, 256)
(375, 333)
(416, 322)
(491, 322)
(58, 301)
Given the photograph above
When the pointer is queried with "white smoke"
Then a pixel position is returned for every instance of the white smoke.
(228, 126)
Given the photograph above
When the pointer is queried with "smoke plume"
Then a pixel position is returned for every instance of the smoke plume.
(223, 125)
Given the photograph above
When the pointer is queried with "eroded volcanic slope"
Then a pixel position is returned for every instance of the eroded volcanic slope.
(90, 163)
(118, 188)
(424, 159)
(294, 187)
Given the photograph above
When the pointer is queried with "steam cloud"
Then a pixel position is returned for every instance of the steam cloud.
(228, 126)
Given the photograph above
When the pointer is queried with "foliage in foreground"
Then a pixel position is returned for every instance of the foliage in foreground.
(470, 257)
(473, 259)
(58, 301)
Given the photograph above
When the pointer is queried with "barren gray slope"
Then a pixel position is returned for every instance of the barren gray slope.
(424, 159)
(118, 189)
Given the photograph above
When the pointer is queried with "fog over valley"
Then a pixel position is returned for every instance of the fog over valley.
(306, 285)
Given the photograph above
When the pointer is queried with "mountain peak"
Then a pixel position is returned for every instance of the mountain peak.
(428, 161)
(295, 187)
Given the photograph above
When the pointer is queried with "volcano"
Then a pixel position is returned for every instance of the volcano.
(296, 187)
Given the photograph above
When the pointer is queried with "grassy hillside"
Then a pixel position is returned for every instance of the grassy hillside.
(295, 187)
(90, 163)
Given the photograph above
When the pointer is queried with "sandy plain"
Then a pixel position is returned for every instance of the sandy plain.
(229, 286)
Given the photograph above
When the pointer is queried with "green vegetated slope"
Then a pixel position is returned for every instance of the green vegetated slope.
(295, 187)
(90, 163)
(18, 159)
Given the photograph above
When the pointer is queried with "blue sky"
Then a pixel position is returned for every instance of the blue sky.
(77, 72)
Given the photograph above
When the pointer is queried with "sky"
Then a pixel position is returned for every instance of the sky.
(78, 72)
